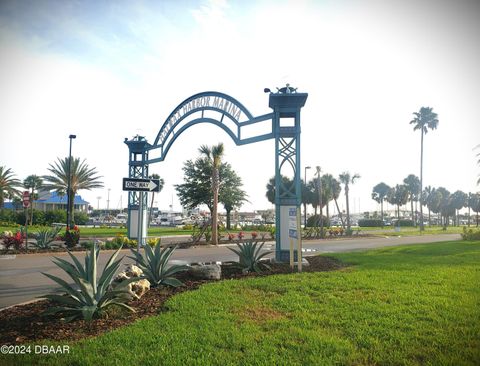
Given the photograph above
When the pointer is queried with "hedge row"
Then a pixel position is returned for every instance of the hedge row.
(40, 217)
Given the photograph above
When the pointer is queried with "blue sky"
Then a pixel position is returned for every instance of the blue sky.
(106, 70)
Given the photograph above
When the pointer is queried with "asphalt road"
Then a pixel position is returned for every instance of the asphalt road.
(21, 279)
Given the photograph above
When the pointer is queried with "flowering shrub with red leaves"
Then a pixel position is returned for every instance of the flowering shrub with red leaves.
(231, 236)
(72, 236)
(254, 235)
(241, 235)
(10, 240)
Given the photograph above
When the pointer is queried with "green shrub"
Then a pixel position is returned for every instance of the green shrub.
(370, 223)
(81, 218)
(38, 217)
(94, 295)
(55, 216)
(314, 220)
(402, 222)
(155, 265)
(249, 256)
(8, 216)
(470, 234)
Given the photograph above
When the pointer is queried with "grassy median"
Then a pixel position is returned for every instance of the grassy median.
(409, 305)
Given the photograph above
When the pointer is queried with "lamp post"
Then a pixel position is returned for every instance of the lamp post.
(305, 203)
(319, 170)
(69, 182)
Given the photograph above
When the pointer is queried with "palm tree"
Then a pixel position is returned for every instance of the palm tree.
(398, 195)
(413, 187)
(379, 194)
(331, 189)
(426, 197)
(214, 155)
(82, 177)
(286, 184)
(445, 205)
(32, 182)
(424, 119)
(305, 199)
(161, 183)
(459, 201)
(8, 182)
(474, 204)
(347, 179)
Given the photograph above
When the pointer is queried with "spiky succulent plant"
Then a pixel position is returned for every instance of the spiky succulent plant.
(94, 295)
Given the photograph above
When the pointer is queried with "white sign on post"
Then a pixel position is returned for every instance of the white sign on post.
(292, 223)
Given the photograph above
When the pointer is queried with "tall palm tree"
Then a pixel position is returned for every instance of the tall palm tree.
(379, 194)
(33, 183)
(8, 184)
(424, 119)
(214, 155)
(82, 177)
(348, 179)
(413, 187)
(161, 183)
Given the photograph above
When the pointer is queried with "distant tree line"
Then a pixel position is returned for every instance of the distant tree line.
(438, 201)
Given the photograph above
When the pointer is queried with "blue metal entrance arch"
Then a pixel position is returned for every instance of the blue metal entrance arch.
(227, 113)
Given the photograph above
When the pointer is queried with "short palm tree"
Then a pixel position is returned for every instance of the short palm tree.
(8, 184)
(398, 195)
(426, 198)
(82, 177)
(214, 154)
(424, 120)
(348, 179)
(33, 183)
(413, 186)
(286, 185)
(379, 194)
(161, 183)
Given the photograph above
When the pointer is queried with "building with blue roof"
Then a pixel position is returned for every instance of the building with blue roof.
(49, 201)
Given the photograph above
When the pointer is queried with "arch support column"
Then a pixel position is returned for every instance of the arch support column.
(286, 105)
(138, 148)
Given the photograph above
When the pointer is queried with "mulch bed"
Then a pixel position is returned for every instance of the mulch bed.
(24, 323)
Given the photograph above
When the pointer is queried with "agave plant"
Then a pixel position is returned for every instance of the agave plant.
(45, 237)
(94, 295)
(155, 265)
(249, 256)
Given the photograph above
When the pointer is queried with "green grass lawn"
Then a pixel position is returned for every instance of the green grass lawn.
(103, 232)
(409, 231)
(410, 305)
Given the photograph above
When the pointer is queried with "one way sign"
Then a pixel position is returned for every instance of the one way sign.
(141, 185)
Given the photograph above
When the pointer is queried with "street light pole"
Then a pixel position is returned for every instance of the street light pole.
(305, 204)
(320, 199)
(69, 182)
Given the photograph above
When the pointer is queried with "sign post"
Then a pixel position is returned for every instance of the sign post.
(293, 233)
(141, 186)
(26, 204)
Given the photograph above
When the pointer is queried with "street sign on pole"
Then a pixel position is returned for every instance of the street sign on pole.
(26, 199)
(141, 185)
